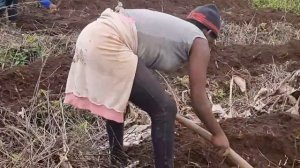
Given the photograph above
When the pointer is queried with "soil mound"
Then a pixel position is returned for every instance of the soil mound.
(251, 57)
(75, 14)
(17, 85)
(19, 82)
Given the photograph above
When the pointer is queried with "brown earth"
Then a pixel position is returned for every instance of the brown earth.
(266, 141)
(224, 59)
(250, 57)
(19, 83)
(269, 137)
(75, 14)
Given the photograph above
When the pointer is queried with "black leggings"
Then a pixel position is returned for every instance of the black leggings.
(148, 94)
(12, 10)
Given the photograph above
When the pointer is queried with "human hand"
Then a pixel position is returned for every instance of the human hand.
(53, 8)
(221, 142)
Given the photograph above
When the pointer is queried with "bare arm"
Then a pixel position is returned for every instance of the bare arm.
(198, 63)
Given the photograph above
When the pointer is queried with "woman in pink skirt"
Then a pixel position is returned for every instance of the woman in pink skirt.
(112, 66)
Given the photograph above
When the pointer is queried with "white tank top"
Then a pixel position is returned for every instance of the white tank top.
(164, 41)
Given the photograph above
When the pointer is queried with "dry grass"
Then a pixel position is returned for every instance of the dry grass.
(241, 104)
(48, 133)
(45, 134)
(19, 48)
(275, 33)
(51, 134)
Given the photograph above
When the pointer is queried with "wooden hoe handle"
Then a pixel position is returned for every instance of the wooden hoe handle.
(232, 156)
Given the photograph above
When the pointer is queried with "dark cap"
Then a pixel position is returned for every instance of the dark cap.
(209, 16)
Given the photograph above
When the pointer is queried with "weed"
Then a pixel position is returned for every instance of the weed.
(22, 56)
(17, 48)
(27, 52)
(285, 5)
(220, 93)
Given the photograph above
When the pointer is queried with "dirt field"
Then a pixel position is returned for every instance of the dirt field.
(264, 140)
(76, 14)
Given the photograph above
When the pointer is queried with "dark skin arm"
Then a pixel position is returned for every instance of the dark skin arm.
(198, 63)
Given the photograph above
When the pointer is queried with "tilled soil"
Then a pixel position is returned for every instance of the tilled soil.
(258, 140)
(75, 14)
(265, 141)
(251, 57)
(19, 83)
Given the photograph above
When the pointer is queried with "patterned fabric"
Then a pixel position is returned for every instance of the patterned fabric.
(104, 66)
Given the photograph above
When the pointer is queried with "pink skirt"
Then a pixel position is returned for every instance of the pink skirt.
(104, 65)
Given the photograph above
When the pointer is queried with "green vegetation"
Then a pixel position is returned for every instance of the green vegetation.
(22, 56)
(18, 48)
(27, 51)
(219, 95)
(284, 5)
